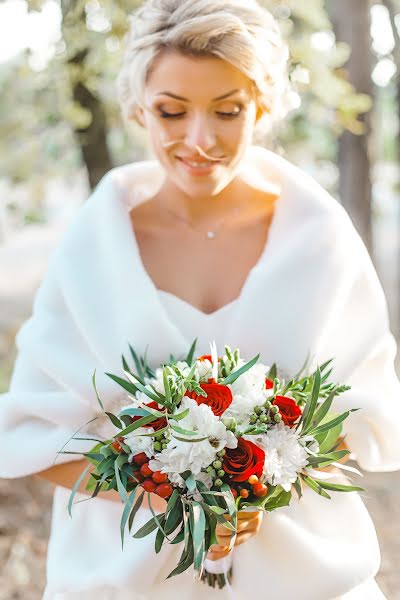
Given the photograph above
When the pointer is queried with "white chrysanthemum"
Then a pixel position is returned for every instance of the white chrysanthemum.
(180, 455)
(284, 455)
(248, 391)
(252, 382)
(138, 442)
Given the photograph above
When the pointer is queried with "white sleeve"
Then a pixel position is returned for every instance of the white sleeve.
(359, 339)
(43, 407)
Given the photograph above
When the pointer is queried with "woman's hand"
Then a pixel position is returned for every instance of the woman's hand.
(248, 524)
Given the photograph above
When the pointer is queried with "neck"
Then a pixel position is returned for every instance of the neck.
(204, 209)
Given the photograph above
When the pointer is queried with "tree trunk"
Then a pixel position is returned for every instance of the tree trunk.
(351, 20)
(93, 138)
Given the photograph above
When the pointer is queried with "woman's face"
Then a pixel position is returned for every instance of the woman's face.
(198, 109)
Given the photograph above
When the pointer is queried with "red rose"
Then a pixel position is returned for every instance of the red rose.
(288, 409)
(269, 384)
(157, 423)
(218, 397)
(245, 460)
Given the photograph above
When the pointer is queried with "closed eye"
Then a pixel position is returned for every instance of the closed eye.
(224, 115)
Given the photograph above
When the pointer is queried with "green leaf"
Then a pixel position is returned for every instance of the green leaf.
(190, 483)
(315, 486)
(186, 559)
(191, 440)
(322, 410)
(167, 387)
(114, 420)
(125, 514)
(138, 363)
(235, 374)
(132, 389)
(218, 510)
(198, 526)
(75, 488)
(298, 487)
(330, 424)
(175, 516)
(180, 415)
(147, 528)
(120, 487)
(189, 358)
(159, 540)
(152, 394)
(95, 389)
(135, 509)
(184, 431)
(139, 423)
(180, 536)
(311, 405)
(336, 487)
(323, 460)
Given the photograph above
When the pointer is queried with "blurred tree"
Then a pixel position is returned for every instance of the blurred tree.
(352, 25)
(68, 114)
(393, 8)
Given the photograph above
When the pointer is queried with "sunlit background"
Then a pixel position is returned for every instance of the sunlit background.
(61, 130)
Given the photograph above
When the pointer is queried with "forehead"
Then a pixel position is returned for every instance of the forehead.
(194, 77)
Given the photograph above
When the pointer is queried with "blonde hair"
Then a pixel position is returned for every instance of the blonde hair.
(241, 33)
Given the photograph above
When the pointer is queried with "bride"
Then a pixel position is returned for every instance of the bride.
(215, 238)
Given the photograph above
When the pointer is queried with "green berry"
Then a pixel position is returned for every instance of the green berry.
(269, 420)
(267, 404)
(218, 482)
(277, 418)
(159, 436)
(210, 468)
(212, 473)
(258, 410)
(263, 418)
(220, 473)
(253, 418)
(221, 452)
(274, 409)
(164, 445)
(217, 464)
(157, 446)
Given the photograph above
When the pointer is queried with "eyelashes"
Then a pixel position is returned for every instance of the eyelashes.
(224, 115)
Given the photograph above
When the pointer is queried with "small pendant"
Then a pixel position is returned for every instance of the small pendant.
(210, 235)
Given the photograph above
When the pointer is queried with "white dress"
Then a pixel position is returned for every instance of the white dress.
(313, 291)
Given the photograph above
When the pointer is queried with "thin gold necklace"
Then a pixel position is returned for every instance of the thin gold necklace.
(210, 234)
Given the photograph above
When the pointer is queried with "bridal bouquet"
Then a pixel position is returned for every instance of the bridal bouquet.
(214, 435)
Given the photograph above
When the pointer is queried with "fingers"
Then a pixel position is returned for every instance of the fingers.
(216, 551)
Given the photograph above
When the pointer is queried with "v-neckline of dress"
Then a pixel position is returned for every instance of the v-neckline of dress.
(250, 275)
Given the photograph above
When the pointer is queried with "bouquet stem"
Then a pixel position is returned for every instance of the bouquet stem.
(217, 572)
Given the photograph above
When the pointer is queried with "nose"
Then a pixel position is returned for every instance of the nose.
(200, 132)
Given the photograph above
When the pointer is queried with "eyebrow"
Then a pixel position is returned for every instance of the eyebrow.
(176, 97)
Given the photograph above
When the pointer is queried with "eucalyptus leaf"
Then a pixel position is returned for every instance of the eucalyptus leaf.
(75, 488)
(198, 524)
(135, 509)
(125, 514)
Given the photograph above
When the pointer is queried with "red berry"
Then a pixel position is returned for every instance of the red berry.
(164, 490)
(252, 479)
(149, 485)
(260, 489)
(117, 446)
(234, 493)
(159, 477)
(244, 493)
(139, 476)
(140, 458)
(145, 470)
